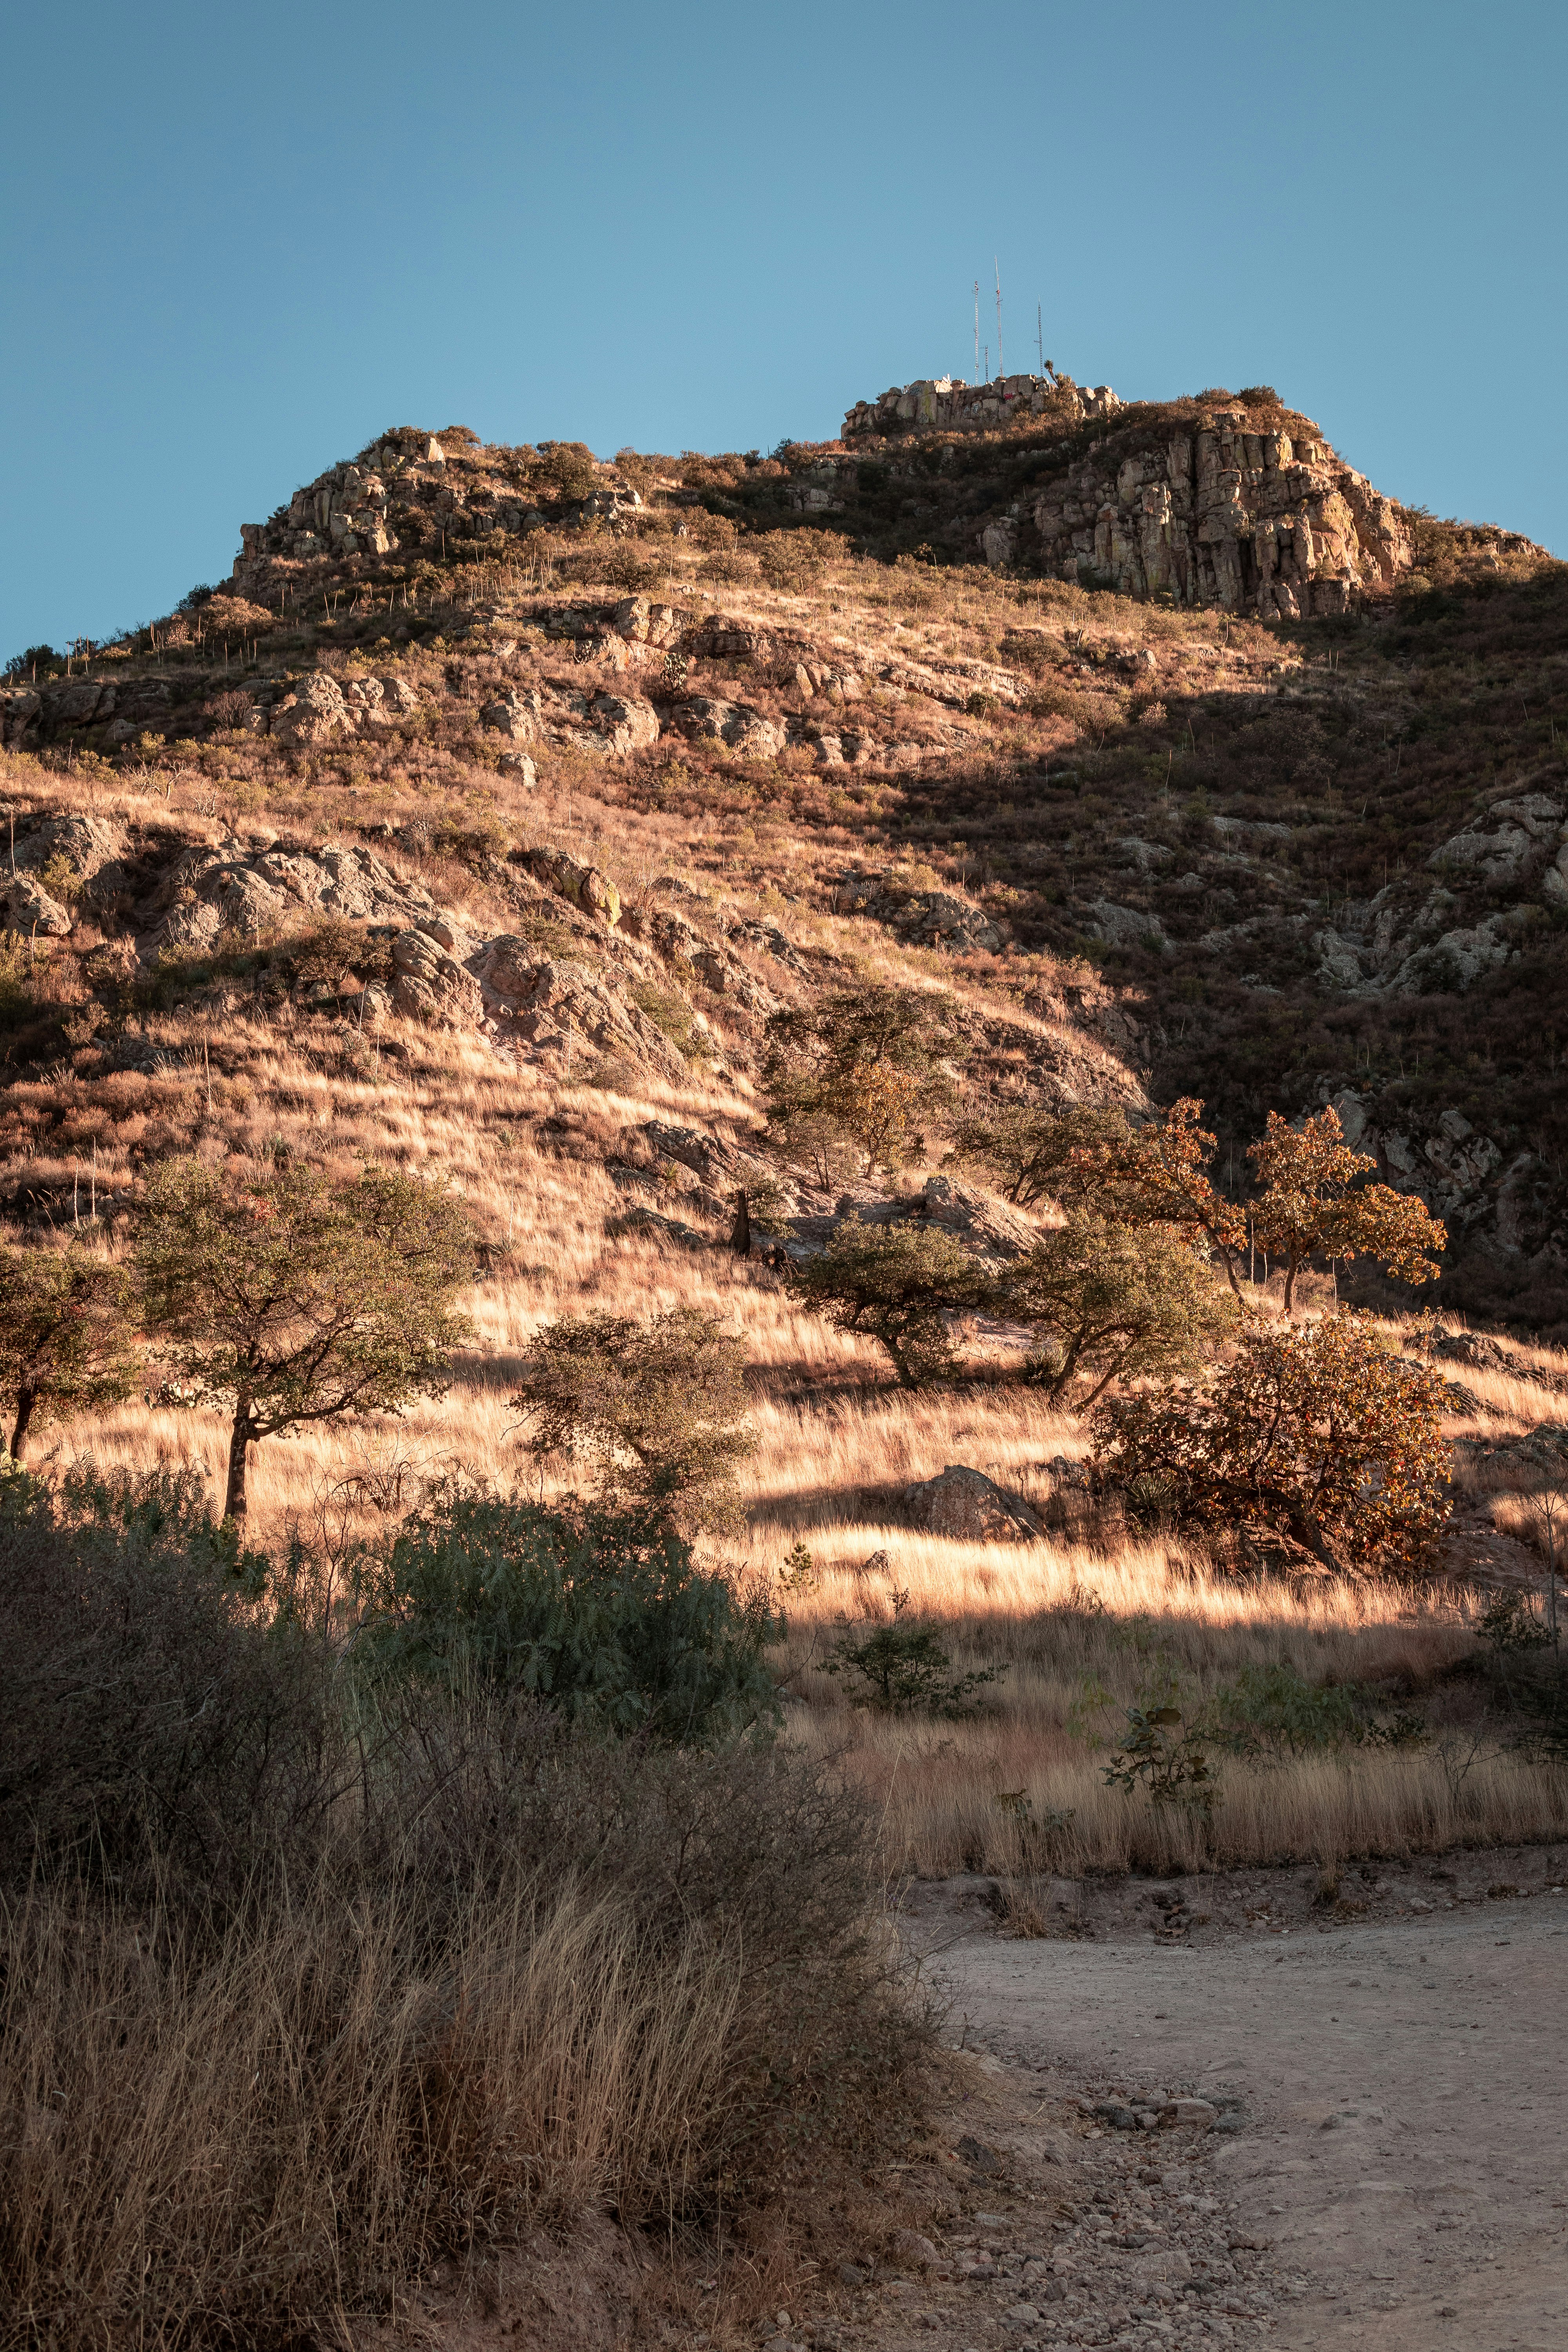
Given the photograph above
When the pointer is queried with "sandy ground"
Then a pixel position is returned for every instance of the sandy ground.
(1399, 2156)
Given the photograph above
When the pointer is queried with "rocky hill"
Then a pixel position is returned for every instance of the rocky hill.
(1180, 757)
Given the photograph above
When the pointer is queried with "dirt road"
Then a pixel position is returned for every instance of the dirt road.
(1403, 2139)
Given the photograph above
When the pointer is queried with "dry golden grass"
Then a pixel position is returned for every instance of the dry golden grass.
(197, 2138)
(830, 1470)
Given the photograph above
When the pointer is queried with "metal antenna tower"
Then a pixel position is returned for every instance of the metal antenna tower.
(977, 330)
(1001, 363)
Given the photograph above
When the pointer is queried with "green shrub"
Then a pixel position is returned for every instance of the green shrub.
(607, 1617)
(903, 1669)
(1110, 1301)
(1275, 1712)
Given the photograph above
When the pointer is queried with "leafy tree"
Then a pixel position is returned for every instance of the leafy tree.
(65, 1336)
(569, 467)
(1322, 1432)
(860, 1067)
(1307, 1206)
(604, 1616)
(1157, 1174)
(904, 1670)
(292, 1300)
(1028, 1149)
(1115, 1302)
(658, 1407)
(897, 1284)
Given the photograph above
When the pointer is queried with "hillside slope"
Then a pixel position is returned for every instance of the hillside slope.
(639, 750)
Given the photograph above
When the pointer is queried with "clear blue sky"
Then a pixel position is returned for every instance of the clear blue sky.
(240, 242)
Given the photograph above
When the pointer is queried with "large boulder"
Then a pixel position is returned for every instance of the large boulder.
(1499, 857)
(27, 908)
(966, 1505)
(583, 884)
(736, 724)
(560, 1013)
(626, 721)
(313, 713)
(18, 711)
(209, 889)
(515, 716)
(1454, 962)
(990, 1227)
(90, 846)
(431, 986)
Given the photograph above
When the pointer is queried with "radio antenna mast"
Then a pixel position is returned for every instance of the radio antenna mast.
(977, 330)
(1001, 367)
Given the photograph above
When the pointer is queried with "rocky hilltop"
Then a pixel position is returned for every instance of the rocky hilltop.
(1185, 759)
(946, 403)
(1234, 506)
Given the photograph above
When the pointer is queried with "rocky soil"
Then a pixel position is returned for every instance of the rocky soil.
(1292, 2126)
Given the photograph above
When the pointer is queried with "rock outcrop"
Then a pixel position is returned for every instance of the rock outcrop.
(946, 403)
(1218, 512)
(1241, 507)
(241, 890)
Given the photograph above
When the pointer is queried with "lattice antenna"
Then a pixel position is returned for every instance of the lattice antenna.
(1001, 363)
(977, 330)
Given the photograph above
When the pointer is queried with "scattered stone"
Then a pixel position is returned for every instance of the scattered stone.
(1180, 2113)
(909, 2246)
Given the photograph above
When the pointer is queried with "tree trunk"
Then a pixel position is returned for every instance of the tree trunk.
(26, 1400)
(740, 1231)
(1289, 1283)
(239, 1437)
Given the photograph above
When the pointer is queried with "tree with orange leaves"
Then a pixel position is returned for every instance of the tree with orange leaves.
(1320, 1431)
(1157, 1175)
(1312, 1203)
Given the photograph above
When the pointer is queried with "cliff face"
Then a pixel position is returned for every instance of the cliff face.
(1253, 521)
(1246, 509)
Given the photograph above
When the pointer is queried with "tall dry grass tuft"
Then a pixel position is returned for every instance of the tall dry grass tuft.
(218, 2133)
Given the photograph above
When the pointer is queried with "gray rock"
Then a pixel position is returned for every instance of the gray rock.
(909, 2246)
(431, 986)
(515, 716)
(90, 846)
(1125, 926)
(626, 721)
(29, 910)
(734, 723)
(1498, 857)
(967, 1507)
(313, 713)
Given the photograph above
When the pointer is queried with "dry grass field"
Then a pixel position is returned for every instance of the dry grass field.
(1089, 1604)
